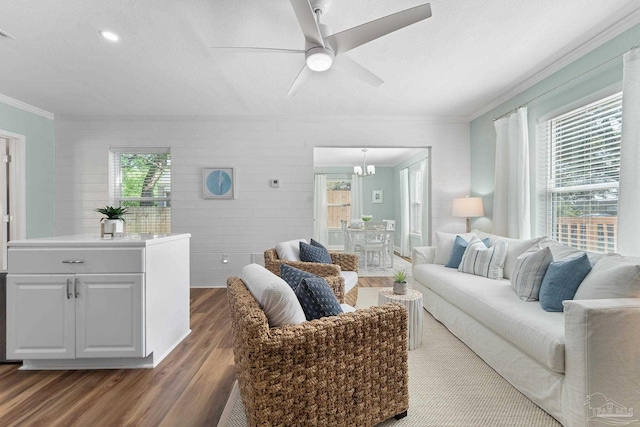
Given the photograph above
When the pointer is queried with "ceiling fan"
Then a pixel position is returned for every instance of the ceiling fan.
(324, 51)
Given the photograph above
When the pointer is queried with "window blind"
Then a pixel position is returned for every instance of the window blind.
(141, 182)
(581, 166)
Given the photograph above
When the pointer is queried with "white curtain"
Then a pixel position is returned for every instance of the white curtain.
(628, 192)
(511, 197)
(356, 197)
(424, 224)
(320, 228)
(405, 243)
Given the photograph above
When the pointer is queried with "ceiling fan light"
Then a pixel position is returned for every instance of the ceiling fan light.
(319, 58)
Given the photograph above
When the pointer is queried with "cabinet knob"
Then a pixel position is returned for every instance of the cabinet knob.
(73, 261)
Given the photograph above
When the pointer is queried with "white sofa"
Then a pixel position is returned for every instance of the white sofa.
(581, 366)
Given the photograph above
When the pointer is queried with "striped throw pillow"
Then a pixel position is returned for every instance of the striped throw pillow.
(483, 261)
(529, 271)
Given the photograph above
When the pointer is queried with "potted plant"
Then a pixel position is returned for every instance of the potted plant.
(399, 282)
(114, 222)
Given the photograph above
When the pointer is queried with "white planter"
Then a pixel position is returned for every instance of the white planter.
(112, 226)
(400, 288)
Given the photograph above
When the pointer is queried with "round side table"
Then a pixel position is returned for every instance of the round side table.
(413, 301)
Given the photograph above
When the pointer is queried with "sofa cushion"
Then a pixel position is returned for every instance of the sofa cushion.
(293, 276)
(516, 248)
(561, 252)
(561, 281)
(314, 253)
(611, 277)
(483, 261)
(459, 246)
(529, 271)
(289, 250)
(350, 280)
(275, 296)
(444, 245)
(493, 303)
(317, 298)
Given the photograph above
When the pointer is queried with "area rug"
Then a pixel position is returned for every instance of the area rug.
(449, 385)
(376, 271)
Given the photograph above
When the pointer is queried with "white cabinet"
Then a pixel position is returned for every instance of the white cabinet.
(65, 316)
(106, 305)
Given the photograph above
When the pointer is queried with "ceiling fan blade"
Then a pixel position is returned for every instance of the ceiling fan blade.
(353, 37)
(257, 49)
(307, 21)
(351, 68)
(299, 81)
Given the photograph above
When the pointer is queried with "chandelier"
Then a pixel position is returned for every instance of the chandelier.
(364, 170)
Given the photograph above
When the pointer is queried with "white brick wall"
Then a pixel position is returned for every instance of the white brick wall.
(260, 148)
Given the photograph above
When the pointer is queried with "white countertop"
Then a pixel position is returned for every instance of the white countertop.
(87, 240)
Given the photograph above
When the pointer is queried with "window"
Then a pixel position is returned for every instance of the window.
(141, 181)
(415, 199)
(582, 170)
(338, 202)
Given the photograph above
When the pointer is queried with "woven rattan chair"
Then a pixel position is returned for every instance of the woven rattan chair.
(331, 272)
(345, 370)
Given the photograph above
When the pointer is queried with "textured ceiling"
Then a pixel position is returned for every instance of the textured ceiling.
(453, 64)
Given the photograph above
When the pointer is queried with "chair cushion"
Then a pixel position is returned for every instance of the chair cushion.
(562, 280)
(483, 261)
(529, 271)
(350, 280)
(289, 250)
(346, 308)
(276, 298)
(314, 252)
(293, 276)
(611, 277)
(317, 298)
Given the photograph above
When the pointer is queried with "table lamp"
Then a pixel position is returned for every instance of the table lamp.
(468, 207)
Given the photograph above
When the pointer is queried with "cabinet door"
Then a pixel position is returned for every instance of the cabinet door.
(40, 317)
(109, 315)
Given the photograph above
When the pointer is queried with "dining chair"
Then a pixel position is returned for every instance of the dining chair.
(389, 240)
(374, 242)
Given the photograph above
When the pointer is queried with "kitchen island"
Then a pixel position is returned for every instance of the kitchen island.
(87, 302)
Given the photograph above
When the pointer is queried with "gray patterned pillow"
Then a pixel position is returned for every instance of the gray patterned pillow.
(293, 276)
(529, 271)
(314, 252)
(317, 299)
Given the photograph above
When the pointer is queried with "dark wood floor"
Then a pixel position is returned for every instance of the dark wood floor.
(189, 388)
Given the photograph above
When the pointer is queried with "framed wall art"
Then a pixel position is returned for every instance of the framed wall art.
(377, 196)
(218, 183)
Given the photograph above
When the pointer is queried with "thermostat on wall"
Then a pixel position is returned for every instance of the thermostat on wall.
(275, 183)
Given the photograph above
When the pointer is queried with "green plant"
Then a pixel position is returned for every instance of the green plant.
(113, 212)
(399, 276)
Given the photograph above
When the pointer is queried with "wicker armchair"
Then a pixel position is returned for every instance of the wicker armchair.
(345, 370)
(331, 272)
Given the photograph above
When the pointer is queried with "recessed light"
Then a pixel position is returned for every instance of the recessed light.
(110, 36)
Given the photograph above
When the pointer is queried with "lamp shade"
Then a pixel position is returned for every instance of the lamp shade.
(468, 207)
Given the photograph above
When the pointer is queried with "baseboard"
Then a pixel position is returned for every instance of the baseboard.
(226, 413)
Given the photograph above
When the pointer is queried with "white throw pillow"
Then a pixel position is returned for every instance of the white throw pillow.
(483, 261)
(289, 250)
(278, 301)
(516, 247)
(611, 277)
(529, 271)
(444, 245)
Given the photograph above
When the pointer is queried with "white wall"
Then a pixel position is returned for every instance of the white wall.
(260, 148)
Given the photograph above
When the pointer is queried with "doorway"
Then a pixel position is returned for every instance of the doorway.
(12, 191)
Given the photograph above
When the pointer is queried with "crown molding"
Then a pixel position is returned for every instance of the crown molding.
(586, 44)
(25, 107)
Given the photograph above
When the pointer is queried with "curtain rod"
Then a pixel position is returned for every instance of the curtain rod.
(508, 113)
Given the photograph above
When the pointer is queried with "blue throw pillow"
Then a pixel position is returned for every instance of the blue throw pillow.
(459, 246)
(561, 281)
(314, 253)
(293, 276)
(317, 299)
